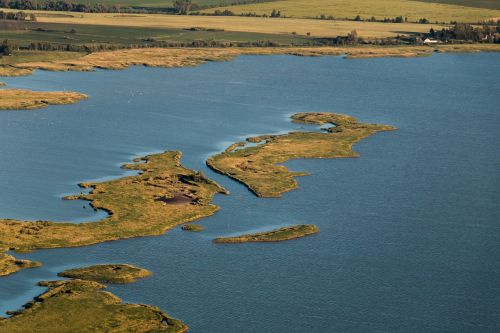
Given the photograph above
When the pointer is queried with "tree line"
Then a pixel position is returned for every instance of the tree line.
(468, 33)
(19, 16)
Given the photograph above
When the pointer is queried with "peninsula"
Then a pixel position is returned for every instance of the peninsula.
(139, 205)
(259, 167)
(9, 264)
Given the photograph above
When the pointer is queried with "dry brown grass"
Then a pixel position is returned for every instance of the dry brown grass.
(184, 57)
(9, 264)
(380, 9)
(18, 99)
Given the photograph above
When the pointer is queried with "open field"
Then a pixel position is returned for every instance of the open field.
(260, 167)
(491, 4)
(107, 273)
(19, 99)
(316, 28)
(25, 33)
(278, 235)
(414, 10)
(82, 306)
(138, 205)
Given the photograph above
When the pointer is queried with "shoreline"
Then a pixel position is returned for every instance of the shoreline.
(19, 99)
(132, 202)
(23, 99)
(191, 57)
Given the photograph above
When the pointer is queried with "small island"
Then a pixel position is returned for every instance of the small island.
(260, 167)
(192, 227)
(9, 264)
(83, 306)
(20, 99)
(277, 235)
(108, 273)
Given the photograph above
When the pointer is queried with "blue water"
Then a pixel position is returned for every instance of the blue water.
(410, 231)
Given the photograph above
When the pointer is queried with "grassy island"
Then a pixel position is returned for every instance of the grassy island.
(9, 264)
(19, 99)
(109, 273)
(83, 306)
(278, 235)
(140, 205)
(192, 227)
(259, 167)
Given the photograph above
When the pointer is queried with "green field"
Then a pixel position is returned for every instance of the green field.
(25, 33)
(433, 10)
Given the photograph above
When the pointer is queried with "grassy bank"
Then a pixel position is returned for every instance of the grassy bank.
(24, 62)
(278, 235)
(260, 167)
(192, 227)
(18, 99)
(10, 265)
(107, 273)
(83, 306)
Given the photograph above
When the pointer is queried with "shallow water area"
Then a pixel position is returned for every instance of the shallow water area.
(409, 231)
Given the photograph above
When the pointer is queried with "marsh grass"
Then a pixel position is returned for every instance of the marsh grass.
(19, 99)
(82, 306)
(260, 168)
(277, 235)
(107, 273)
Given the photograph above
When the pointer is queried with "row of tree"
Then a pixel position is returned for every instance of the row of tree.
(60, 5)
(19, 16)
(468, 33)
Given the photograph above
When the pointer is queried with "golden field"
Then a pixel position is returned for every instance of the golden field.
(317, 28)
(380, 9)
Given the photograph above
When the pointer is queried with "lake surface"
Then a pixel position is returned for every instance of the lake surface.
(410, 231)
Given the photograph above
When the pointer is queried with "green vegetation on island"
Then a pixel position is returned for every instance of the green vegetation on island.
(107, 273)
(9, 264)
(82, 306)
(140, 205)
(260, 167)
(192, 227)
(277, 235)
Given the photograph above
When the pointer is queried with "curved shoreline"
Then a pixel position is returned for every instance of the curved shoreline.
(189, 57)
(73, 305)
(260, 167)
(133, 202)
(10, 265)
